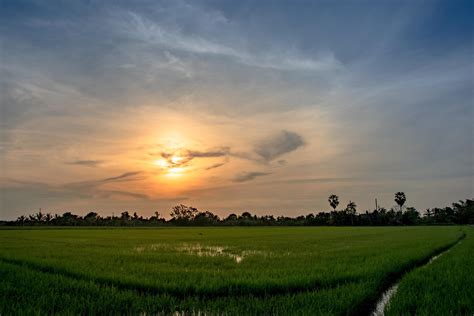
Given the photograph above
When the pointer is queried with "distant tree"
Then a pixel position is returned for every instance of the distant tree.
(231, 220)
(246, 219)
(333, 201)
(461, 212)
(68, 219)
(205, 219)
(411, 216)
(21, 220)
(464, 212)
(38, 217)
(125, 216)
(400, 199)
(351, 210)
(91, 216)
(183, 214)
(309, 219)
(246, 215)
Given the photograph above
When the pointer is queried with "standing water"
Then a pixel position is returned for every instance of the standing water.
(388, 294)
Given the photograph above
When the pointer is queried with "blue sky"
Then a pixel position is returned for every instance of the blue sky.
(268, 106)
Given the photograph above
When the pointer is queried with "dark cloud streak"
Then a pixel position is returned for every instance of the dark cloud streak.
(86, 163)
(214, 166)
(248, 176)
(278, 145)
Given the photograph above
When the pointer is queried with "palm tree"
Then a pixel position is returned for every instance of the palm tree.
(333, 201)
(351, 210)
(22, 219)
(400, 199)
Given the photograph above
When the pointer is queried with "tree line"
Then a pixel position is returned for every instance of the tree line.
(461, 212)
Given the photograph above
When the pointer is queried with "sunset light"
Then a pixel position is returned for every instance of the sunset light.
(176, 159)
(175, 171)
(213, 102)
(163, 163)
(171, 166)
(275, 157)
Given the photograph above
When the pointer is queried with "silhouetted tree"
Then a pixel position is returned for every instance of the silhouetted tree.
(183, 214)
(411, 216)
(68, 219)
(231, 220)
(91, 218)
(351, 210)
(333, 201)
(21, 220)
(206, 219)
(400, 199)
(464, 212)
(461, 212)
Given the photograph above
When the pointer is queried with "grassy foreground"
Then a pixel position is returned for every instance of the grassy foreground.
(444, 287)
(305, 270)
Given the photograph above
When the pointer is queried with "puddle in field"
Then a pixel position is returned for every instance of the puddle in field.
(197, 249)
(152, 247)
(216, 251)
(180, 313)
(198, 313)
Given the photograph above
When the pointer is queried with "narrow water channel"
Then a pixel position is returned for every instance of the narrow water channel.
(384, 299)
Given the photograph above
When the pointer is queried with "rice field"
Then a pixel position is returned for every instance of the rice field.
(443, 287)
(209, 271)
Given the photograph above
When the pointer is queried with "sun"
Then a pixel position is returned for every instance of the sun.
(163, 163)
(171, 165)
(176, 159)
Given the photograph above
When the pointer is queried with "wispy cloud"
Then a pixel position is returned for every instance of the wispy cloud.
(93, 186)
(155, 34)
(39, 192)
(214, 166)
(248, 176)
(127, 176)
(316, 180)
(86, 163)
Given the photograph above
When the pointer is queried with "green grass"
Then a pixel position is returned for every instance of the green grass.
(303, 270)
(444, 287)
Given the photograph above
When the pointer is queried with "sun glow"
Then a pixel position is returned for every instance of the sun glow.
(176, 159)
(163, 163)
(175, 171)
(174, 165)
(171, 165)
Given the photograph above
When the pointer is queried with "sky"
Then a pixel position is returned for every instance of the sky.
(232, 106)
